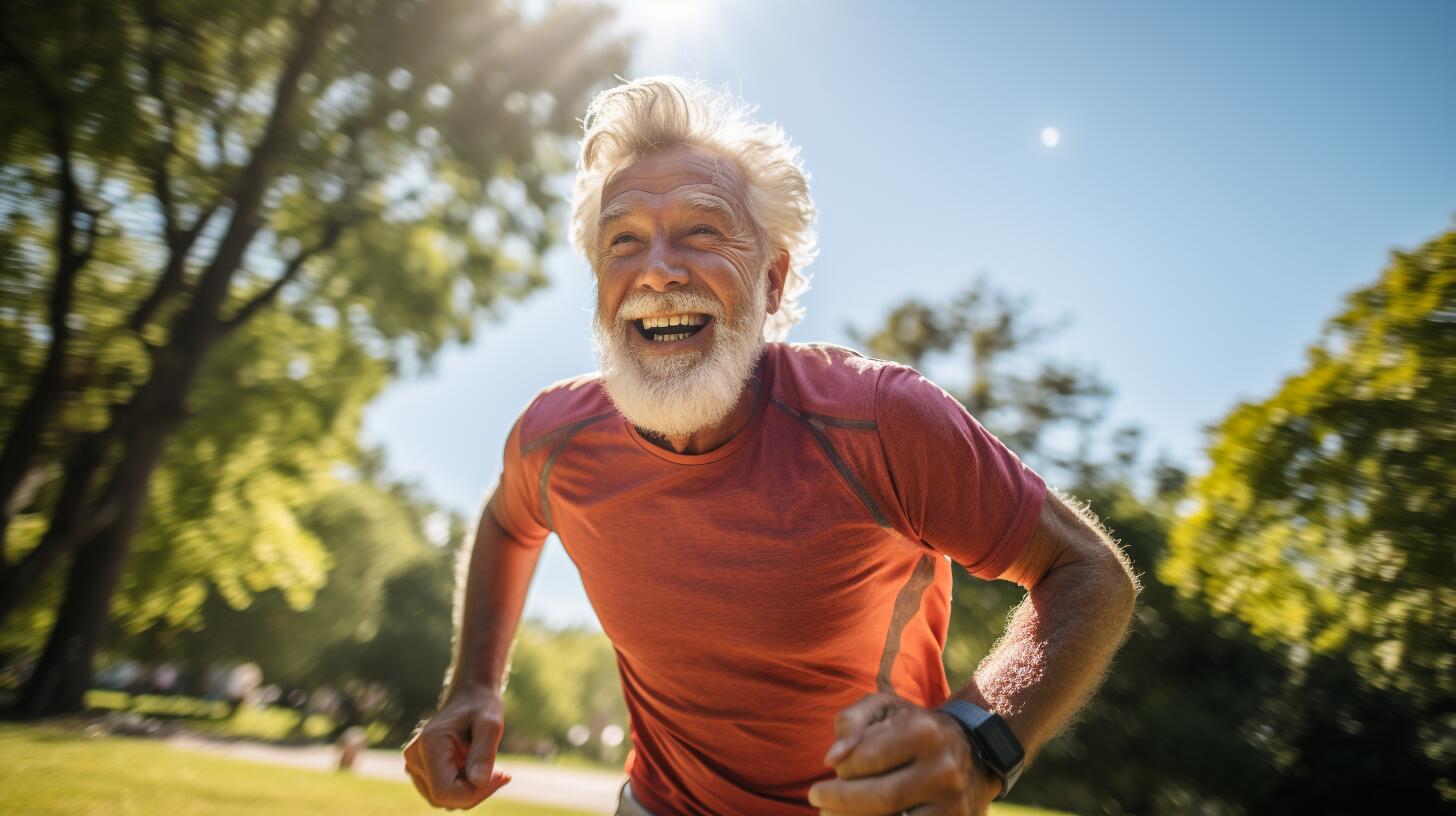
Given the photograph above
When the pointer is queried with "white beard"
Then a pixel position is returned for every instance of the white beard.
(688, 391)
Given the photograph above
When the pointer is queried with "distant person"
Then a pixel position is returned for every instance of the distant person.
(765, 529)
(351, 744)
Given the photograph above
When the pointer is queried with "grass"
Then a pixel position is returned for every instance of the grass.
(49, 772)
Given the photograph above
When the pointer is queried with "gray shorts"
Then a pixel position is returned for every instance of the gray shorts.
(627, 804)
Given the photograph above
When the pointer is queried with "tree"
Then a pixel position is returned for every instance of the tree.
(379, 168)
(1325, 520)
(411, 651)
(369, 537)
(560, 679)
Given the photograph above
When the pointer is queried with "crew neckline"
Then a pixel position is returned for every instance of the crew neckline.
(763, 374)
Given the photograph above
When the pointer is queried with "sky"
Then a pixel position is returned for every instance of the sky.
(1226, 173)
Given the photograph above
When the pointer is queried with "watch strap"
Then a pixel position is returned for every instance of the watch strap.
(974, 721)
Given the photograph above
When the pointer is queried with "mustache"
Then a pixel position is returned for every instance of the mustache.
(645, 304)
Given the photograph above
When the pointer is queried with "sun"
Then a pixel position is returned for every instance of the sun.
(1050, 136)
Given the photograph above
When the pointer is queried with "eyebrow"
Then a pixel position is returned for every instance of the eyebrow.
(700, 202)
(713, 205)
(611, 213)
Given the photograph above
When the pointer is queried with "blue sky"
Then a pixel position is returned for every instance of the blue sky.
(1226, 173)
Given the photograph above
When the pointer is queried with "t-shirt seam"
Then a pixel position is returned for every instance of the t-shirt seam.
(884, 455)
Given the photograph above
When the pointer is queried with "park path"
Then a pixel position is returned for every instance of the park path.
(580, 789)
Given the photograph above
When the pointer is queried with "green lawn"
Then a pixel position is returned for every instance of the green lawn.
(49, 771)
(268, 723)
(45, 771)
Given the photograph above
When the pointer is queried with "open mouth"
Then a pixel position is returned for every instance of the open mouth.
(671, 328)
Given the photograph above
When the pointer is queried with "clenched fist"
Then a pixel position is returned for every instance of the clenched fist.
(452, 758)
(892, 757)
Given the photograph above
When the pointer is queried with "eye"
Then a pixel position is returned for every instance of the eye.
(623, 238)
(702, 229)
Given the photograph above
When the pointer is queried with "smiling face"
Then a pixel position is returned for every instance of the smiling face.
(683, 289)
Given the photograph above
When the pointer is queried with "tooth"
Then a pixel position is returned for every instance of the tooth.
(675, 320)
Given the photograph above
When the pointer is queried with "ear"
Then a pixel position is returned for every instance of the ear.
(778, 271)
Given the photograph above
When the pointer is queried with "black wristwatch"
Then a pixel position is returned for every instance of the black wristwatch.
(992, 741)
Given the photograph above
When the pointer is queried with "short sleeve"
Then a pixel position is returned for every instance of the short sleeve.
(963, 492)
(516, 503)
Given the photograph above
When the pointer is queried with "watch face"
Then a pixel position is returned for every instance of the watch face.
(1000, 743)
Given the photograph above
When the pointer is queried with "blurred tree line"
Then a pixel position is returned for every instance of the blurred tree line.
(1294, 648)
(223, 228)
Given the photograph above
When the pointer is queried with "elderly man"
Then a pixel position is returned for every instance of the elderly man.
(765, 529)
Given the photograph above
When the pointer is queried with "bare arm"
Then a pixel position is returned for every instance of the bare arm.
(488, 611)
(891, 755)
(452, 758)
(1061, 639)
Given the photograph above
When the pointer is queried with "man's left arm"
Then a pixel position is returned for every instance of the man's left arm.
(891, 755)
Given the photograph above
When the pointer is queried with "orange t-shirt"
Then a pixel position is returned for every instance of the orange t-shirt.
(754, 591)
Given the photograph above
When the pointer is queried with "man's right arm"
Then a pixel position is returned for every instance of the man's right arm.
(452, 758)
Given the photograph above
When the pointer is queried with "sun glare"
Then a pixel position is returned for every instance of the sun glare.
(664, 16)
(1051, 137)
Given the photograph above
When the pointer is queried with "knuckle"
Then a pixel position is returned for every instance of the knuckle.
(924, 729)
(487, 726)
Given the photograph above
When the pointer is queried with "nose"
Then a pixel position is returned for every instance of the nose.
(661, 268)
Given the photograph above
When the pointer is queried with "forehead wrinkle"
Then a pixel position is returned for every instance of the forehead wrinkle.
(671, 165)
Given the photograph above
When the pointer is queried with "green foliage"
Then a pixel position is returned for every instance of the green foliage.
(411, 651)
(277, 408)
(1326, 518)
(559, 679)
(368, 537)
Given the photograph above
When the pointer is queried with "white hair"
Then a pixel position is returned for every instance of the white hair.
(653, 113)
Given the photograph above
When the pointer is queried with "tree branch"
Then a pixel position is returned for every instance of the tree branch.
(156, 87)
(179, 248)
(23, 441)
(212, 287)
(332, 231)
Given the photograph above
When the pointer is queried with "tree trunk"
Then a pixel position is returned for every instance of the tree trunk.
(23, 441)
(17, 581)
(60, 680)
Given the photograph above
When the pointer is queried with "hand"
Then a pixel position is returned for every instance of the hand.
(893, 757)
(452, 758)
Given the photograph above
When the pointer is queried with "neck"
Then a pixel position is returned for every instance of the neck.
(706, 439)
